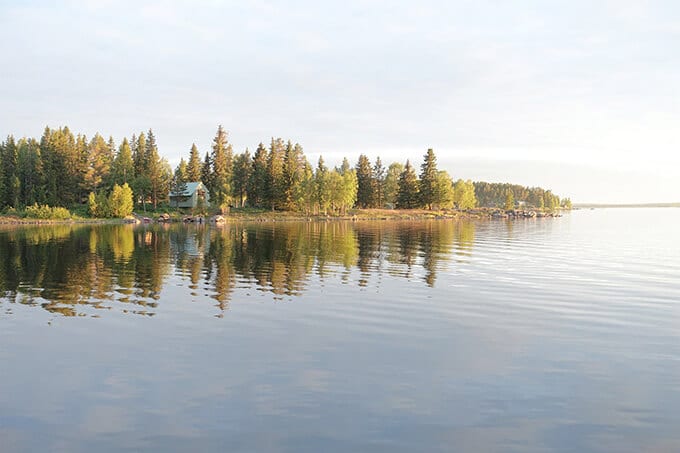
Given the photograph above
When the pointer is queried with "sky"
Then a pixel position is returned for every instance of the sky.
(577, 96)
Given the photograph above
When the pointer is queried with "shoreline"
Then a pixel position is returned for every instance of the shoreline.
(238, 215)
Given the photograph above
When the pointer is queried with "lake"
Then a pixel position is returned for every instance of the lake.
(516, 336)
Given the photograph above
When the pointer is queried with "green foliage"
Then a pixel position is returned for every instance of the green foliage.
(428, 179)
(222, 168)
(141, 187)
(60, 169)
(241, 177)
(98, 205)
(46, 212)
(322, 184)
(120, 201)
(99, 159)
(123, 167)
(379, 174)
(194, 165)
(30, 172)
(157, 170)
(257, 192)
(464, 194)
(275, 181)
(293, 167)
(342, 189)
(118, 204)
(509, 200)
(366, 190)
(407, 195)
(495, 194)
(391, 184)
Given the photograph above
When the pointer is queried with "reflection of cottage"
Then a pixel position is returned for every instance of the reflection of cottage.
(194, 196)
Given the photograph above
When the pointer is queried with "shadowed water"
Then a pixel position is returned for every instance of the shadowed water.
(533, 335)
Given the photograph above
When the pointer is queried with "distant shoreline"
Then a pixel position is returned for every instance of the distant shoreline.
(625, 205)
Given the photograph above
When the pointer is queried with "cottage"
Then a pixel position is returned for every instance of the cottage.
(195, 195)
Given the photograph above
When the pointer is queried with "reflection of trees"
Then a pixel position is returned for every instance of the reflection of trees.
(72, 269)
(465, 238)
(64, 266)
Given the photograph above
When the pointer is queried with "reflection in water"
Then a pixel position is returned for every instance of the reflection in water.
(65, 267)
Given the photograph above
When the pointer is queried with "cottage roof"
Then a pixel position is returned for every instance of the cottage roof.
(191, 188)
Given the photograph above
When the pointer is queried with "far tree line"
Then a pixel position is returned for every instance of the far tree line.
(63, 169)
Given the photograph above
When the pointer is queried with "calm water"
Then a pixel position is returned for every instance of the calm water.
(538, 335)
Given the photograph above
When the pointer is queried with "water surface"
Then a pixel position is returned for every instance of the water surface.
(531, 335)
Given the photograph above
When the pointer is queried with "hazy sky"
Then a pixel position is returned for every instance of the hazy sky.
(578, 96)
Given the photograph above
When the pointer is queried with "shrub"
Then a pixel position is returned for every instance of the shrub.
(44, 211)
(118, 204)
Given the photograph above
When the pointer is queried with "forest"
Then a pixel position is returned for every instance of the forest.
(62, 170)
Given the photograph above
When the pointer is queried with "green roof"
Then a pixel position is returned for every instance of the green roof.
(191, 188)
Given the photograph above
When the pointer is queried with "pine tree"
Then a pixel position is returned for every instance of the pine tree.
(222, 167)
(156, 170)
(206, 171)
(275, 183)
(194, 165)
(123, 167)
(323, 189)
(292, 174)
(379, 178)
(345, 167)
(9, 164)
(407, 196)
(241, 176)
(365, 183)
(257, 185)
(428, 179)
(30, 172)
(139, 154)
(304, 198)
(99, 163)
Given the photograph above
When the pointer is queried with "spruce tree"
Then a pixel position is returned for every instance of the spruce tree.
(428, 179)
(194, 165)
(206, 171)
(323, 189)
(123, 167)
(156, 170)
(292, 174)
(257, 184)
(275, 182)
(241, 176)
(365, 183)
(407, 195)
(379, 180)
(30, 172)
(139, 154)
(222, 167)
(9, 164)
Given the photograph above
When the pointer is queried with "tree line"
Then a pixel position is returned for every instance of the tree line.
(63, 169)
